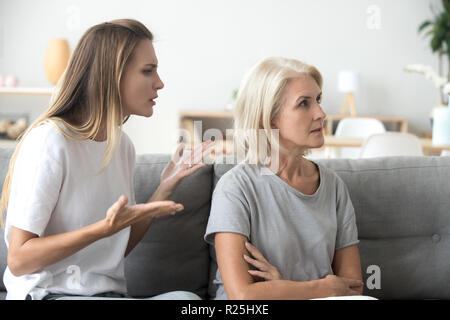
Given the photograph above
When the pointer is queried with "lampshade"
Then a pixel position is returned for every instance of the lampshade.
(348, 81)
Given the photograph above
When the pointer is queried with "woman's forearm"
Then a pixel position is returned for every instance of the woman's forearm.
(138, 230)
(37, 253)
(283, 290)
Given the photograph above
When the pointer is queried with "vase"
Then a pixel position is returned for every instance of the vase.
(56, 59)
(441, 126)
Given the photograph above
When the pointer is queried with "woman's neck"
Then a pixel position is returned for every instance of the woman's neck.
(78, 121)
(292, 165)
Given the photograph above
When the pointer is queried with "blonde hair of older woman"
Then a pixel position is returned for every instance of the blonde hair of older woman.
(88, 94)
(258, 103)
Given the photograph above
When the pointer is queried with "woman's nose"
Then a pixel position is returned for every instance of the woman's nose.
(319, 113)
(159, 83)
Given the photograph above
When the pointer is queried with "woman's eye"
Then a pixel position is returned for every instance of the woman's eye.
(304, 103)
(319, 99)
(149, 71)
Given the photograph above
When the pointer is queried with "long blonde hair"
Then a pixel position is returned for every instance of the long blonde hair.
(87, 97)
(259, 101)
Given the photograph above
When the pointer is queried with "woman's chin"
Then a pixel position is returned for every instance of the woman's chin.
(147, 113)
(318, 144)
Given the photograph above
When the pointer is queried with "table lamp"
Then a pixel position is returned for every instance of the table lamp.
(348, 83)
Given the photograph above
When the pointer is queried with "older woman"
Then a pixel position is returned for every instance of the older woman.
(296, 212)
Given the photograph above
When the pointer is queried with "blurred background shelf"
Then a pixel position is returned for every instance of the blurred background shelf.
(27, 91)
(391, 123)
(5, 143)
(197, 122)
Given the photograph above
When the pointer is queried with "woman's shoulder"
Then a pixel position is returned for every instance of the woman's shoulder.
(330, 176)
(239, 177)
(325, 171)
(242, 171)
(44, 142)
(127, 142)
(45, 134)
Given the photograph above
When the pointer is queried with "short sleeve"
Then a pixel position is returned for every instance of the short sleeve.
(229, 209)
(132, 164)
(35, 185)
(347, 233)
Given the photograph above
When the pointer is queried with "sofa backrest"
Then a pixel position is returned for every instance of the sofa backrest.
(172, 255)
(402, 207)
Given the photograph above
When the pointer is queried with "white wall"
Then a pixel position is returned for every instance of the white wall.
(205, 46)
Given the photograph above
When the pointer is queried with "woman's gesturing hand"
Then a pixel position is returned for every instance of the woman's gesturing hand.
(266, 270)
(120, 216)
(184, 163)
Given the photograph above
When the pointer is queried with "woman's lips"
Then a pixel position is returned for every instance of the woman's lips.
(153, 99)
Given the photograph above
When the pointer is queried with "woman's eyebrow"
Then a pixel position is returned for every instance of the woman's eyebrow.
(302, 97)
(152, 65)
(307, 97)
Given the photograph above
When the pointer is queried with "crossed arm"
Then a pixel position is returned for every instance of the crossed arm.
(240, 284)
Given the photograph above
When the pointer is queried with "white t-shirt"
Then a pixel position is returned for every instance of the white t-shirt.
(56, 188)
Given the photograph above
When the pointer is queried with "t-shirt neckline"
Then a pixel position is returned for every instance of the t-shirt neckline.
(283, 183)
(70, 132)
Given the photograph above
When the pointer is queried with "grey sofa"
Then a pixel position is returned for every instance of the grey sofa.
(402, 210)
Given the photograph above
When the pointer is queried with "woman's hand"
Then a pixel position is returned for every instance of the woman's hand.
(183, 163)
(120, 216)
(266, 270)
(340, 286)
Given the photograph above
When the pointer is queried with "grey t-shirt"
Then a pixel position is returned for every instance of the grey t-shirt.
(297, 233)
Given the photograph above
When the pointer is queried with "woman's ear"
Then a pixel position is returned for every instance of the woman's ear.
(274, 123)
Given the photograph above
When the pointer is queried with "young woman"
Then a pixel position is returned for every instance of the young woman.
(71, 213)
(297, 214)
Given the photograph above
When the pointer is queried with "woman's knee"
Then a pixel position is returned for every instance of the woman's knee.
(177, 295)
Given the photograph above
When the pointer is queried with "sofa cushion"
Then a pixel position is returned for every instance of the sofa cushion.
(5, 155)
(402, 207)
(172, 255)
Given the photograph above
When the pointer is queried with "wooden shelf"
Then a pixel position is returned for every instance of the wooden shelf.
(221, 120)
(206, 114)
(398, 123)
(27, 91)
(4, 143)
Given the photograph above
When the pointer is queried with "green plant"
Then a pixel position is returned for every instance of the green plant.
(438, 29)
(234, 94)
